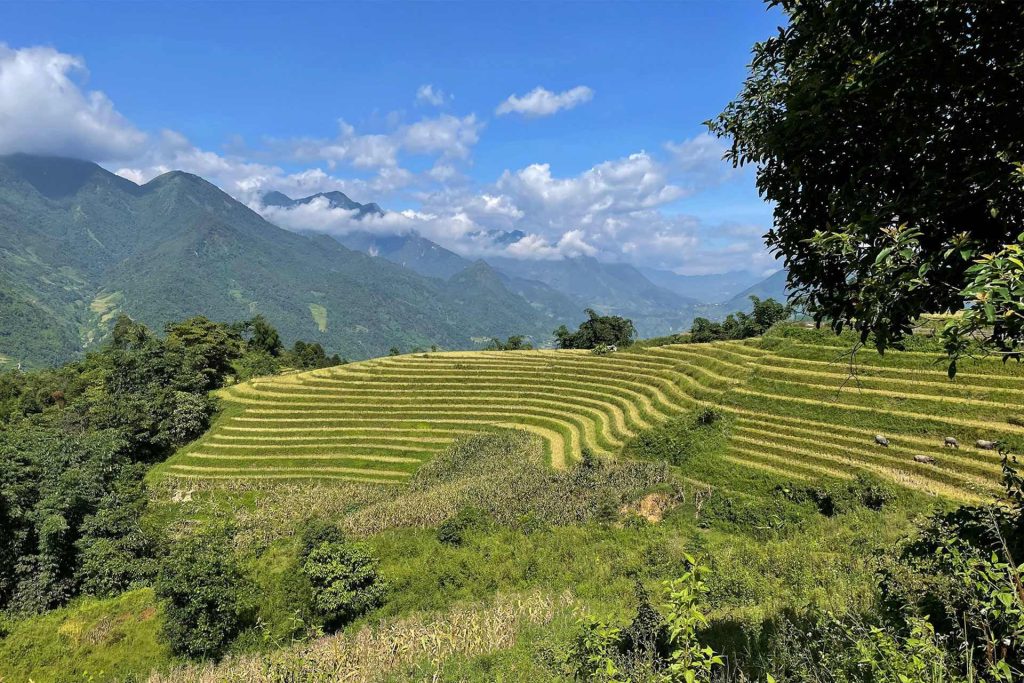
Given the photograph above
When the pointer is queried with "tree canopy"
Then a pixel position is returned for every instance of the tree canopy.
(597, 330)
(887, 135)
(740, 325)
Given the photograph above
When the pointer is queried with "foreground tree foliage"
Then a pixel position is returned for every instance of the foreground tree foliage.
(74, 447)
(597, 330)
(887, 135)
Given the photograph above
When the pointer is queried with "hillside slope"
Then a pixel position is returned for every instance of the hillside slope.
(793, 410)
(79, 245)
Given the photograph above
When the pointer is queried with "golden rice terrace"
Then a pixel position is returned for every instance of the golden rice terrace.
(795, 410)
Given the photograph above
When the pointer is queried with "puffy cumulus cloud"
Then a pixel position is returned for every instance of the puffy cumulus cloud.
(612, 187)
(44, 110)
(427, 94)
(543, 102)
(450, 136)
(444, 136)
(571, 243)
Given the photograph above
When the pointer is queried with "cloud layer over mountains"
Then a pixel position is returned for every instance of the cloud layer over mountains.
(626, 209)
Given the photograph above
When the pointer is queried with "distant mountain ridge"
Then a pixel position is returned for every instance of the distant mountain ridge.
(561, 288)
(772, 287)
(712, 288)
(336, 200)
(80, 245)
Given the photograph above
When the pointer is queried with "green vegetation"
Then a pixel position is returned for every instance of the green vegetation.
(597, 330)
(514, 343)
(874, 245)
(178, 246)
(739, 325)
(756, 458)
(203, 592)
(91, 639)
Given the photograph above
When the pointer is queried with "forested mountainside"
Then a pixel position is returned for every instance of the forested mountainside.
(78, 245)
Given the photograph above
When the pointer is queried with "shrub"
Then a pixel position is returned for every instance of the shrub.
(654, 647)
(453, 530)
(680, 439)
(255, 363)
(315, 532)
(833, 499)
(205, 594)
(345, 581)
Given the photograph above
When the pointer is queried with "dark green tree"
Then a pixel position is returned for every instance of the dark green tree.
(309, 356)
(344, 580)
(206, 597)
(609, 330)
(514, 343)
(264, 337)
(887, 135)
(208, 346)
(740, 325)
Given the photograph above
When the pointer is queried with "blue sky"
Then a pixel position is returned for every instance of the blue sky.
(308, 97)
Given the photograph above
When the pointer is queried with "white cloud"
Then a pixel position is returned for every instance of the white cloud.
(620, 209)
(44, 110)
(427, 94)
(542, 102)
(571, 243)
(613, 187)
(448, 135)
(700, 160)
(444, 136)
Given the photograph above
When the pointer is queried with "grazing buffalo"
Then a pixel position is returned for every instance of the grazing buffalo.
(985, 445)
(881, 440)
(926, 459)
(951, 443)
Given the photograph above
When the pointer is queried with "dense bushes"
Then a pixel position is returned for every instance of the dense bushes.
(653, 647)
(838, 498)
(75, 443)
(207, 600)
(741, 325)
(678, 440)
(74, 449)
(344, 580)
(597, 330)
(454, 529)
(342, 577)
(69, 517)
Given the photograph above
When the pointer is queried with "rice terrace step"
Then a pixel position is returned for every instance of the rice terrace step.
(796, 408)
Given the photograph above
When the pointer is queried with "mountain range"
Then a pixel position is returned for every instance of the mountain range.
(658, 301)
(80, 245)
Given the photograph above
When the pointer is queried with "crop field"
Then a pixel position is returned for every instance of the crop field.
(797, 408)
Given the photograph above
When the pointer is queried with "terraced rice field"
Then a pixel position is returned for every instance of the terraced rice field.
(795, 412)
